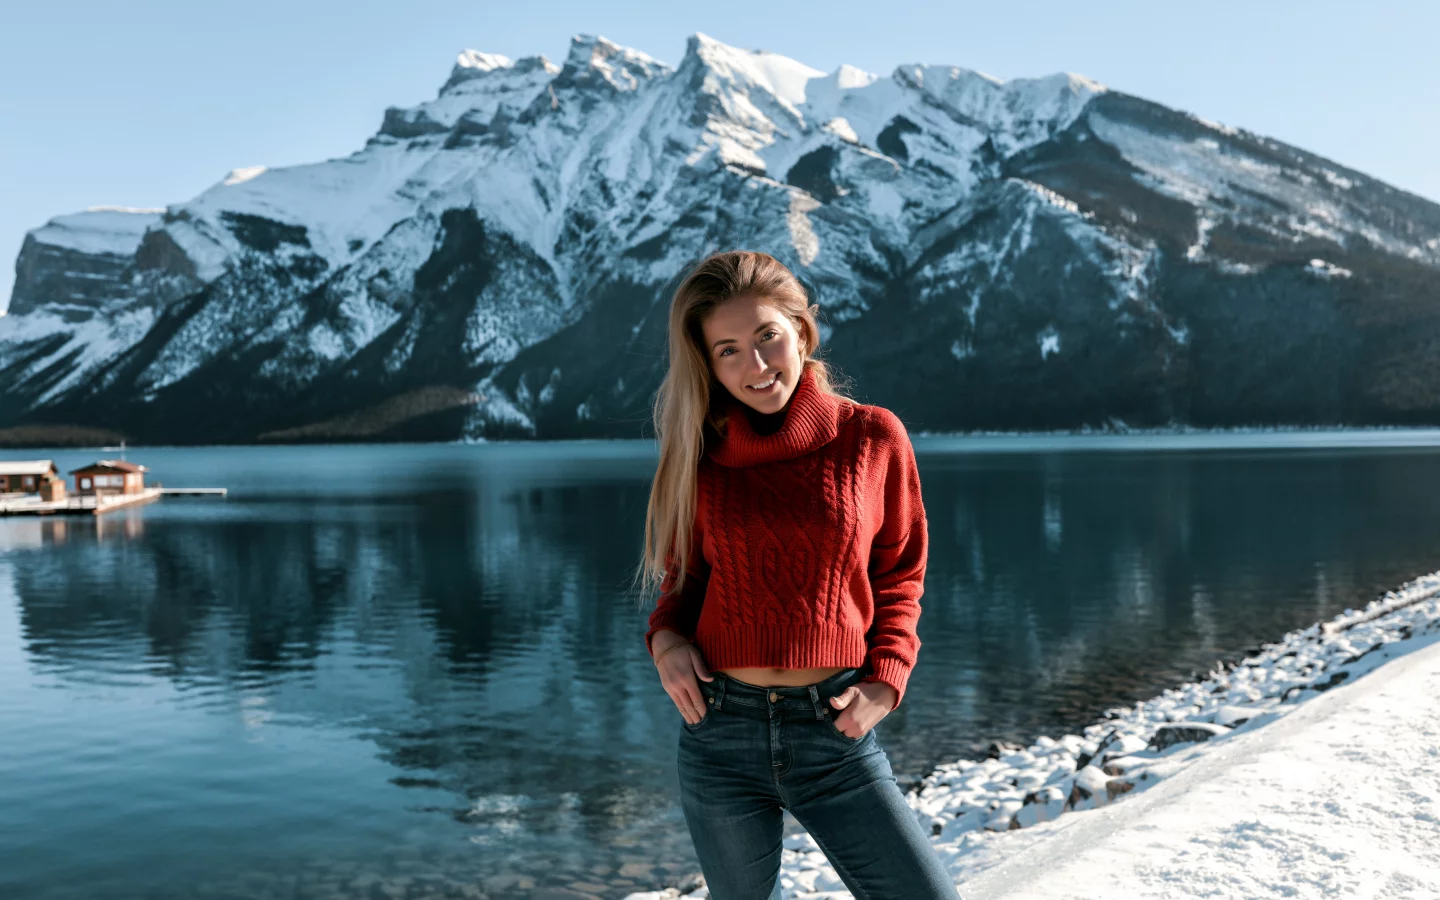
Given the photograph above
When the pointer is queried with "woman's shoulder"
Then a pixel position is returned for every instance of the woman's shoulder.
(878, 423)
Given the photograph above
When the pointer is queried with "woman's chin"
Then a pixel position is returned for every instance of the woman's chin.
(766, 404)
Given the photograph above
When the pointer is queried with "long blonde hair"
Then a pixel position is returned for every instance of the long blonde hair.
(683, 404)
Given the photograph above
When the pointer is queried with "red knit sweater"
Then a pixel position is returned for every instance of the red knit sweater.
(808, 546)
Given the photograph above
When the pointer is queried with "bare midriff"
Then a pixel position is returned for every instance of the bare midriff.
(772, 677)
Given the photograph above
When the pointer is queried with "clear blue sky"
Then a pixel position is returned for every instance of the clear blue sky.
(148, 103)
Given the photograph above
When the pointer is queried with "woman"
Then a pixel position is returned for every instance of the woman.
(794, 514)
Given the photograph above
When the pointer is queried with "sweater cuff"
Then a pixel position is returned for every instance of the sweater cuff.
(891, 671)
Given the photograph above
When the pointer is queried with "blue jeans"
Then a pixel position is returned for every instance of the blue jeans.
(760, 750)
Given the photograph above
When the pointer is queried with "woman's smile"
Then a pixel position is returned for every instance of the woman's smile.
(769, 386)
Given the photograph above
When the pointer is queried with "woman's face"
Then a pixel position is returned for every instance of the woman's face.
(749, 342)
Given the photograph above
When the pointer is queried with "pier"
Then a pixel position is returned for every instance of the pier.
(88, 505)
(34, 488)
(92, 505)
(97, 504)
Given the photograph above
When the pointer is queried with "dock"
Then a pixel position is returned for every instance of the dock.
(33, 487)
(91, 505)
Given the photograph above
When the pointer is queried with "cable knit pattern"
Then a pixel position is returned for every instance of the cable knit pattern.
(810, 544)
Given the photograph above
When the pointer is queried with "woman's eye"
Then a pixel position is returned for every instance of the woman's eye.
(763, 336)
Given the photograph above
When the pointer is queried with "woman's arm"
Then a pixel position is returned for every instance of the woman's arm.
(897, 566)
(679, 610)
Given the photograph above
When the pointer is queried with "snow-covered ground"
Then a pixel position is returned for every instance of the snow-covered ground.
(1311, 769)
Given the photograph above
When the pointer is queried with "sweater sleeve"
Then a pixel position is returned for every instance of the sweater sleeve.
(897, 568)
(679, 610)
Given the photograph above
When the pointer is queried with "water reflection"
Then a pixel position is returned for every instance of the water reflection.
(1061, 584)
(416, 664)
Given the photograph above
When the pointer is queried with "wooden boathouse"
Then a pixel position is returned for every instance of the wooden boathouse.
(31, 476)
(108, 477)
(34, 487)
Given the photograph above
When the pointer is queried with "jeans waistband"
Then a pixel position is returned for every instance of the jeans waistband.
(810, 701)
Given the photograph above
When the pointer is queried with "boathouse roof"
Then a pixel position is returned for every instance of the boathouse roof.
(109, 465)
(26, 466)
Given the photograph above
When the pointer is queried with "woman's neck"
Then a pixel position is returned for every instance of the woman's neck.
(765, 423)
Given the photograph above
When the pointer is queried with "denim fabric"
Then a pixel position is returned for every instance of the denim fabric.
(760, 750)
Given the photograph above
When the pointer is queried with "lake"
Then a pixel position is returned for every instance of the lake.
(414, 670)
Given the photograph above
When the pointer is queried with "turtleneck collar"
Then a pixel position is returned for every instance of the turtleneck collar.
(812, 419)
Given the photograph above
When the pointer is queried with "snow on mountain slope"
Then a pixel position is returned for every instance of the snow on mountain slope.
(71, 264)
(109, 230)
(480, 85)
(1260, 185)
(1038, 223)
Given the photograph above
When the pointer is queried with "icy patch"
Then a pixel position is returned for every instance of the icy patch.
(1340, 181)
(325, 343)
(1231, 267)
(242, 175)
(1130, 269)
(1049, 340)
(497, 409)
(962, 349)
(802, 233)
(1196, 251)
(1052, 198)
(1327, 270)
(1217, 126)
(840, 127)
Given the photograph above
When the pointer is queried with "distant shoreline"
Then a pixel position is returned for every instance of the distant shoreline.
(31, 437)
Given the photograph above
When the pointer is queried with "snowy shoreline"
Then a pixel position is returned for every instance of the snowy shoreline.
(1052, 791)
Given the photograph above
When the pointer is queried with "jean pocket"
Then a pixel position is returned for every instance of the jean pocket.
(830, 726)
(704, 720)
(708, 699)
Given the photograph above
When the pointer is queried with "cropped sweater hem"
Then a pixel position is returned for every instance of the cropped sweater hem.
(811, 645)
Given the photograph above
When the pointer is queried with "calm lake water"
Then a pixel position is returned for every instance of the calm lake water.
(408, 670)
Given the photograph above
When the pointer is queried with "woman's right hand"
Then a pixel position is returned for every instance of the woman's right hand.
(680, 671)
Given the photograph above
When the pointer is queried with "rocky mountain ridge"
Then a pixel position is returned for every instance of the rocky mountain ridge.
(497, 262)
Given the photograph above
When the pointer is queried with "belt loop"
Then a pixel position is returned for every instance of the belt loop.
(720, 681)
(815, 700)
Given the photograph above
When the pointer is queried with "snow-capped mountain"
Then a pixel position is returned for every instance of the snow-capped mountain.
(498, 261)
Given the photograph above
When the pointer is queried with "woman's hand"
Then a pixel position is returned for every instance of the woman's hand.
(679, 673)
(862, 706)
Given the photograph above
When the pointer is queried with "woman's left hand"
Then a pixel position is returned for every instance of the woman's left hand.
(862, 706)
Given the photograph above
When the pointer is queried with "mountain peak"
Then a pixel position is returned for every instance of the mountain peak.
(848, 77)
(476, 59)
(782, 76)
(623, 68)
(473, 64)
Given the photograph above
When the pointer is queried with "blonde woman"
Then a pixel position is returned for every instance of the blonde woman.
(794, 514)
